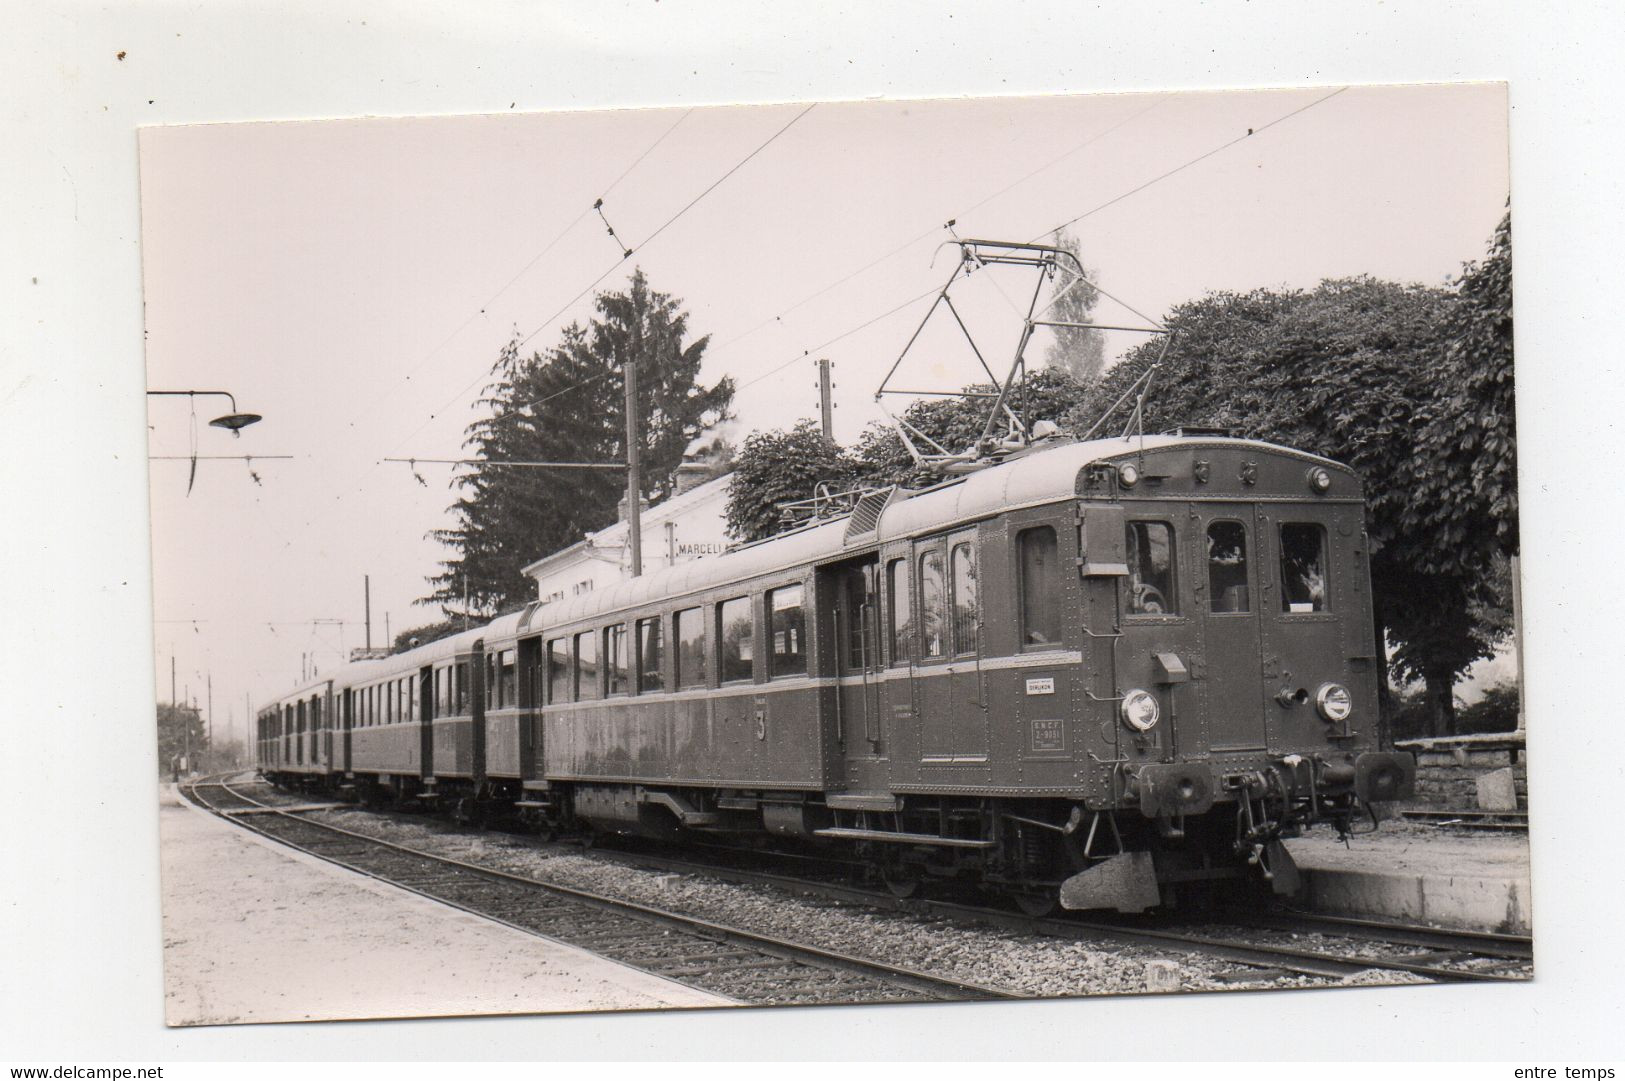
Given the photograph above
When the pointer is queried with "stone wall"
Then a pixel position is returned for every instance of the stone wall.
(1449, 772)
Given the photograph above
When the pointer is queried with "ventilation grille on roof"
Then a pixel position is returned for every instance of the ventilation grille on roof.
(866, 513)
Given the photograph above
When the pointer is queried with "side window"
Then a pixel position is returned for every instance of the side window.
(463, 688)
(691, 648)
(651, 655)
(586, 658)
(858, 606)
(1303, 567)
(1227, 567)
(507, 680)
(899, 617)
(963, 564)
(1151, 569)
(933, 605)
(615, 659)
(1040, 586)
(558, 671)
(789, 630)
(737, 635)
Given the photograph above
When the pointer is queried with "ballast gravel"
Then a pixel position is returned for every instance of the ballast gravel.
(1037, 966)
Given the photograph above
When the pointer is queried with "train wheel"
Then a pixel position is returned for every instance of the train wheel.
(1037, 905)
(901, 883)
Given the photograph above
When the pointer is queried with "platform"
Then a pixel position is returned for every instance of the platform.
(1418, 873)
(255, 932)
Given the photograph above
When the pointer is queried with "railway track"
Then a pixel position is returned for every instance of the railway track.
(1343, 946)
(1336, 948)
(1514, 821)
(740, 965)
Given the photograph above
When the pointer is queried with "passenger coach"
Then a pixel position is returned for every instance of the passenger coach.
(1094, 673)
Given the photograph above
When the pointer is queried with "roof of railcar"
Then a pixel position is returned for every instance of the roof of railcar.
(1033, 479)
(358, 673)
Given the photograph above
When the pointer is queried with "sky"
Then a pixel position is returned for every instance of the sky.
(354, 280)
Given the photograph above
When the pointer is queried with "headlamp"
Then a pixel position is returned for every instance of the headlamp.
(1140, 710)
(1334, 702)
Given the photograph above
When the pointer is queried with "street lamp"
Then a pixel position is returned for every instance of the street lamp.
(234, 421)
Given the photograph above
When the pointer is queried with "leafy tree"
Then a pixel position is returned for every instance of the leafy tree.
(1355, 370)
(1080, 354)
(1497, 711)
(180, 731)
(1467, 475)
(777, 467)
(568, 404)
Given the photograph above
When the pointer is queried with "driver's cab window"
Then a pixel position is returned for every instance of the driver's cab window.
(1227, 567)
(1151, 569)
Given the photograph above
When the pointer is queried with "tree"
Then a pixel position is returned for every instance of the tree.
(777, 467)
(1356, 370)
(180, 733)
(1080, 354)
(1467, 475)
(568, 404)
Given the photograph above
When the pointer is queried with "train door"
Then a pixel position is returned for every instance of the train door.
(896, 632)
(427, 707)
(325, 711)
(1313, 615)
(530, 706)
(966, 678)
(1226, 586)
(933, 676)
(347, 718)
(859, 671)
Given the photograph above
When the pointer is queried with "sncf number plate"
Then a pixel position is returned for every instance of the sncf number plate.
(1048, 736)
(1045, 685)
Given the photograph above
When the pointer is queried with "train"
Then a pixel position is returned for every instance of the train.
(1102, 674)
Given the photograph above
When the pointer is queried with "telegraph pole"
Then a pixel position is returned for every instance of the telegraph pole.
(634, 471)
(366, 587)
(210, 677)
(826, 409)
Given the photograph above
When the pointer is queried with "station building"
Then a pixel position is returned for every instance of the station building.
(691, 524)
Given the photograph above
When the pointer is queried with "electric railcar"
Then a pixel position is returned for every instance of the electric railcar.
(1095, 673)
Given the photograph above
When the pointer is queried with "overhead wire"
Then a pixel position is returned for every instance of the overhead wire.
(805, 353)
(537, 258)
(905, 245)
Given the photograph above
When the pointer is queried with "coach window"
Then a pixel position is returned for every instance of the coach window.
(963, 564)
(615, 659)
(789, 630)
(587, 683)
(1227, 567)
(1039, 575)
(558, 672)
(464, 687)
(899, 618)
(507, 680)
(933, 605)
(651, 655)
(736, 631)
(1303, 567)
(691, 648)
(1151, 569)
